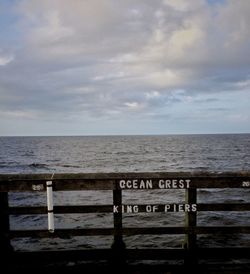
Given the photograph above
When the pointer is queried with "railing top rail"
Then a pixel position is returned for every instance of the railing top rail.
(111, 181)
(120, 175)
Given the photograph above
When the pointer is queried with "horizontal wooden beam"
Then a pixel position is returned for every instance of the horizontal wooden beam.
(61, 209)
(175, 253)
(61, 233)
(133, 254)
(119, 175)
(224, 207)
(25, 210)
(111, 181)
(66, 233)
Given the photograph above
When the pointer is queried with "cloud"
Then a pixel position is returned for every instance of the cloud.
(152, 95)
(105, 58)
(132, 105)
(5, 59)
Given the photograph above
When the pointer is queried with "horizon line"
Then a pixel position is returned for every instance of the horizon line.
(114, 135)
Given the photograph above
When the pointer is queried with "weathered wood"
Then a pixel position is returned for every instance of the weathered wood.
(224, 207)
(58, 185)
(191, 237)
(130, 181)
(118, 237)
(63, 255)
(108, 181)
(5, 245)
(118, 246)
(133, 254)
(177, 253)
(25, 210)
(191, 218)
(61, 233)
(118, 176)
(173, 230)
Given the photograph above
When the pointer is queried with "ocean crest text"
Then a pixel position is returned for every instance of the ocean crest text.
(149, 184)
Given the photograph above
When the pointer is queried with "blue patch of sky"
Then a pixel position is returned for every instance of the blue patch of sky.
(7, 12)
(213, 2)
(9, 31)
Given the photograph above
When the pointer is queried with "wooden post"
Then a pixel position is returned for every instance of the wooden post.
(5, 246)
(118, 246)
(190, 221)
(118, 238)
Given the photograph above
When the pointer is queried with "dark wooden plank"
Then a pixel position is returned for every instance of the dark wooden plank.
(65, 255)
(62, 233)
(61, 209)
(25, 210)
(84, 184)
(109, 181)
(97, 254)
(190, 218)
(224, 207)
(58, 185)
(181, 182)
(117, 200)
(221, 230)
(127, 175)
(5, 245)
(176, 253)
(223, 253)
(118, 237)
(23, 185)
(132, 254)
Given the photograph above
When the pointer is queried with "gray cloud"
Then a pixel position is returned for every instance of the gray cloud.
(99, 58)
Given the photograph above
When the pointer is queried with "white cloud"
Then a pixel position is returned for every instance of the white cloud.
(99, 57)
(117, 75)
(152, 94)
(184, 40)
(182, 5)
(165, 78)
(140, 33)
(52, 31)
(134, 106)
(5, 59)
(19, 114)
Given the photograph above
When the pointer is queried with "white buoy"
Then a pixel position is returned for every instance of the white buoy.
(51, 227)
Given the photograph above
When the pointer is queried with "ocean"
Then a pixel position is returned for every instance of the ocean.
(86, 154)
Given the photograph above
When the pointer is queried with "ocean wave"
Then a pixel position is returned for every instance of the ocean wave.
(39, 165)
(125, 154)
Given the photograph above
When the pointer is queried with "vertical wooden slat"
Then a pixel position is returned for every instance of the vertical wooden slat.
(191, 218)
(118, 238)
(191, 221)
(5, 246)
(118, 246)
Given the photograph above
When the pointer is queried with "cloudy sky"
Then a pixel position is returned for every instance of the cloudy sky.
(90, 67)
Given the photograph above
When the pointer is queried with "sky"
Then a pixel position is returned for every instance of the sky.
(114, 67)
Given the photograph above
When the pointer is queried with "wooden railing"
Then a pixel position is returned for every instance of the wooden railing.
(117, 183)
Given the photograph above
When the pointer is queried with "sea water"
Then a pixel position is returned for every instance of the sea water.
(84, 154)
